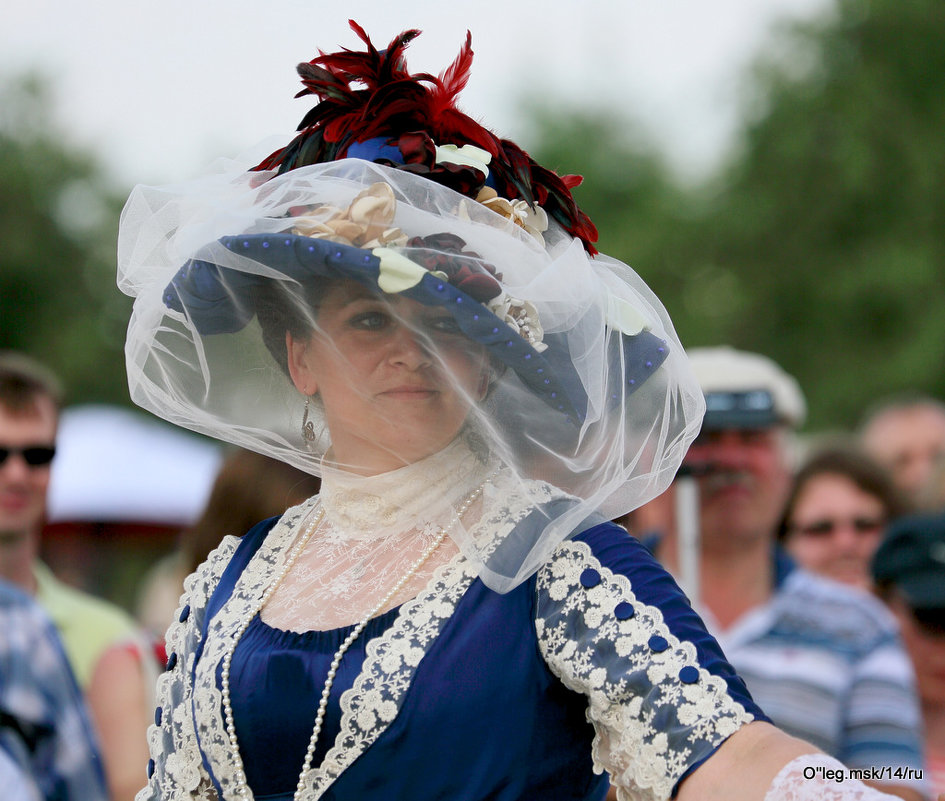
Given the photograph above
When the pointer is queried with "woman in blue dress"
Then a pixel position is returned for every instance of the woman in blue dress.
(413, 309)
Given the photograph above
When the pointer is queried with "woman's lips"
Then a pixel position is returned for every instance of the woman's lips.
(409, 392)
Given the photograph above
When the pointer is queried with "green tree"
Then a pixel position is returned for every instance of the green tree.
(827, 233)
(822, 241)
(58, 226)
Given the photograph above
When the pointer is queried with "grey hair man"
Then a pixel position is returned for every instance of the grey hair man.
(822, 660)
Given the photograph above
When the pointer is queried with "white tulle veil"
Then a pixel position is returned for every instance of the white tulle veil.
(587, 386)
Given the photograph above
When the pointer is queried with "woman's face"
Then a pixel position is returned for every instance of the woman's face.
(835, 528)
(396, 378)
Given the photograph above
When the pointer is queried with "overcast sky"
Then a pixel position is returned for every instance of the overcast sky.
(159, 89)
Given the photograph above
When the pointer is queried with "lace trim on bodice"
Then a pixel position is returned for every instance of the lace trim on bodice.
(374, 700)
(372, 531)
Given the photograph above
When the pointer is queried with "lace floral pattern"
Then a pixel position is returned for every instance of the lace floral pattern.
(654, 710)
(176, 768)
(367, 708)
(374, 700)
(249, 588)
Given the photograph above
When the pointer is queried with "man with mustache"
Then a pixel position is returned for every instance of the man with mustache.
(823, 660)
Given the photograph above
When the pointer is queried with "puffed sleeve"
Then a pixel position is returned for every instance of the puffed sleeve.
(176, 769)
(614, 626)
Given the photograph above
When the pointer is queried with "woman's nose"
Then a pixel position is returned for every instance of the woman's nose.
(409, 348)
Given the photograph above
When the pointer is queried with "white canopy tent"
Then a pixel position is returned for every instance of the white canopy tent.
(117, 465)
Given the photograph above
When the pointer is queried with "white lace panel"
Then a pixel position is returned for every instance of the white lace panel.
(373, 531)
(818, 777)
(176, 768)
(655, 711)
(336, 581)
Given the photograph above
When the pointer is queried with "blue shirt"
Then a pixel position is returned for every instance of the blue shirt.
(825, 662)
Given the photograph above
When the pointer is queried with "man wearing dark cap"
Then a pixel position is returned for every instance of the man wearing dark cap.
(822, 660)
(909, 571)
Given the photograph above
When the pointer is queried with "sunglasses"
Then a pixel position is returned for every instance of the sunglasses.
(826, 527)
(33, 455)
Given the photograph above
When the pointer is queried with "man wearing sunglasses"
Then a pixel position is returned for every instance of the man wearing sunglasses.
(45, 731)
(822, 660)
(101, 640)
(909, 571)
(29, 410)
(29, 415)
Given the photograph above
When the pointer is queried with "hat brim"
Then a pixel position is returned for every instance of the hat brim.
(220, 300)
(924, 590)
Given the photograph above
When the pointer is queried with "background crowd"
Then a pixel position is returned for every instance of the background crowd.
(815, 545)
(819, 565)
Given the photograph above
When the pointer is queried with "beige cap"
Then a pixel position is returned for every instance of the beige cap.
(745, 390)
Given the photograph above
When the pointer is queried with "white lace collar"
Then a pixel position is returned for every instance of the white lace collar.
(370, 507)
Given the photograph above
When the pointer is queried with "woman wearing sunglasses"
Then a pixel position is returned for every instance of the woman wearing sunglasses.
(836, 512)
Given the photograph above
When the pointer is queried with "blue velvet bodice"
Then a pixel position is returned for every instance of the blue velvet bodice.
(483, 718)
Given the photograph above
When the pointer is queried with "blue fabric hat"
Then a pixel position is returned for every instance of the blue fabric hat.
(216, 306)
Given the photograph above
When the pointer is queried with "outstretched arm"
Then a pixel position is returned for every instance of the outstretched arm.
(761, 763)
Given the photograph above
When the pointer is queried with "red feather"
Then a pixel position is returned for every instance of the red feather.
(452, 80)
(369, 94)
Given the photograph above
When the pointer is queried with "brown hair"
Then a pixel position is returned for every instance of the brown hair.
(249, 488)
(852, 463)
(24, 381)
(285, 306)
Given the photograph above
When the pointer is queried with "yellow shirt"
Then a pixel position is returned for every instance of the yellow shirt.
(87, 625)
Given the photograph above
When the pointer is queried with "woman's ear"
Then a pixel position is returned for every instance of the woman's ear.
(300, 371)
(491, 373)
(485, 380)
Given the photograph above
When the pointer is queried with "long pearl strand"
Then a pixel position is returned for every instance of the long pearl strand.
(242, 788)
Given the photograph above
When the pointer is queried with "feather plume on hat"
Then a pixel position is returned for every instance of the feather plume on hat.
(370, 106)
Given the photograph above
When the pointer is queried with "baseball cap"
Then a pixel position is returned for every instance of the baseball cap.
(911, 557)
(745, 390)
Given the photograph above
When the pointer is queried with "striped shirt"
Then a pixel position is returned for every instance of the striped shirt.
(825, 663)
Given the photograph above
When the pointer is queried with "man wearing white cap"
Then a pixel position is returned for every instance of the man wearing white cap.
(823, 661)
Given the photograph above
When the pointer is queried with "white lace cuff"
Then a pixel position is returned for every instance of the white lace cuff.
(818, 777)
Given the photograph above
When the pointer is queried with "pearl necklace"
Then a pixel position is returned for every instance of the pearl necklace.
(242, 788)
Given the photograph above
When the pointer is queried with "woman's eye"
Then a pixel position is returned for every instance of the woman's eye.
(444, 325)
(370, 321)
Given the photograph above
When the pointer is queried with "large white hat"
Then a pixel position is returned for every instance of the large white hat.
(745, 390)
